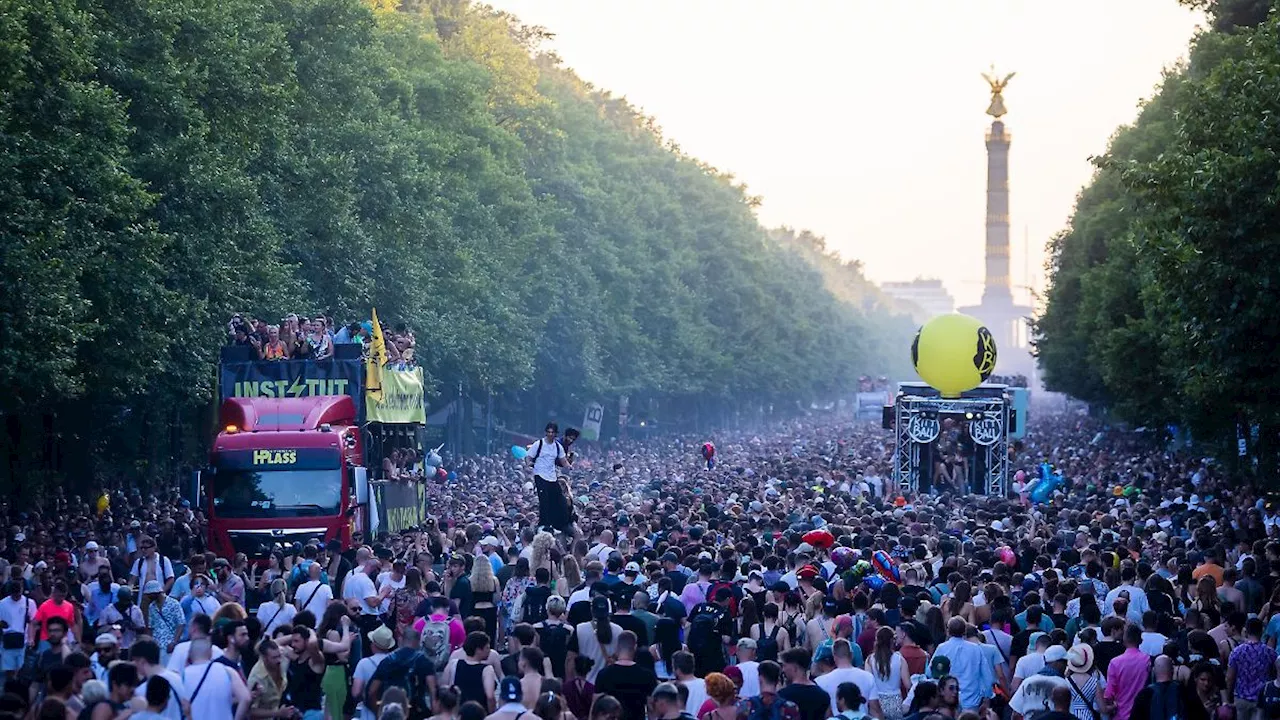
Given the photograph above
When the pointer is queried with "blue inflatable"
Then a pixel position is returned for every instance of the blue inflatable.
(1048, 482)
(518, 452)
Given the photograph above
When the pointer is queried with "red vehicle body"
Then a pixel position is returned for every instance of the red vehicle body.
(285, 470)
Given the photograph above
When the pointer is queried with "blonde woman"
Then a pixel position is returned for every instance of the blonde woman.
(484, 592)
(543, 543)
(278, 611)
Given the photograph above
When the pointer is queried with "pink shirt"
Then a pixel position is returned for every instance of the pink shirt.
(49, 610)
(457, 634)
(1126, 676)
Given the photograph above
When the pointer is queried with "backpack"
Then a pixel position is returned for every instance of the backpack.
(704, 630)
(435, 642)
(393, 671)
(533, 607)
(781, 709)
(553, 640)
(767, 648)
(733, 599)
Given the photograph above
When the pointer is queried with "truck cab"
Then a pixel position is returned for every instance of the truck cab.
(285, 470)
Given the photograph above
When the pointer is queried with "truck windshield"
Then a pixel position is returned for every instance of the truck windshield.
(276, 493)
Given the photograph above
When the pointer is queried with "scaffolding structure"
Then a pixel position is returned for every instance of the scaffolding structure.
(918, 414)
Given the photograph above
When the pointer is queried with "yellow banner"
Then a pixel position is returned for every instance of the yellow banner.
(377, 358)
(402, 399)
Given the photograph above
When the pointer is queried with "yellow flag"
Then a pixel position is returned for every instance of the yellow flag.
(377, 358)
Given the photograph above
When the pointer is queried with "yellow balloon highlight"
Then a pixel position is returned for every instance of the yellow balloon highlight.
(954, 353)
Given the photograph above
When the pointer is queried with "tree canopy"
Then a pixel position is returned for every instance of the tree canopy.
(166, 163)
(1163, 282)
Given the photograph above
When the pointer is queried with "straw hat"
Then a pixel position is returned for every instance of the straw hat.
(1080, 659)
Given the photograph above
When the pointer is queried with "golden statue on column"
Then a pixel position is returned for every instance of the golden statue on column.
(998, 84)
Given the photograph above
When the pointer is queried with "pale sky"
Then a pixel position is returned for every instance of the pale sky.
(863, 121)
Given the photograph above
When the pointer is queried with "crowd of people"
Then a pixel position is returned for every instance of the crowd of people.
(298, 337)
(791, 579)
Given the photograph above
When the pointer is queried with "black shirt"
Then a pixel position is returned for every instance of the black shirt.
(462, 593)
(813, 701)
(678, 581)
(630, 685)
(635, 625)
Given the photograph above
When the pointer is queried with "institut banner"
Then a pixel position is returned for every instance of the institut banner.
(402, 399)
(293, 378)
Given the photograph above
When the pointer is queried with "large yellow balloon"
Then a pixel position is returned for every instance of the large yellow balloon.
(954, 353)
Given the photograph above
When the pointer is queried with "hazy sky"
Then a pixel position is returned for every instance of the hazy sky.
(863, 121)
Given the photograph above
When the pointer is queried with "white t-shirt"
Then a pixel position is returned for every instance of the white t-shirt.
(832, 681)
(17, 613)
(206, 605)
(1029, 665)
(589, 646)
(358, 587)
(172, 711)
(316, 595)
(750, 679)
(697, 695)
(215, 700)
(178, 660)
(1033, 694)
(600, 552)
(364, 671)
(273, 616)
(383, 581)
(545, 464)
(1153, 643)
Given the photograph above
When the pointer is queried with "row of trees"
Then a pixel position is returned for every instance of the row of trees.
(164, 163)
(1164, 282)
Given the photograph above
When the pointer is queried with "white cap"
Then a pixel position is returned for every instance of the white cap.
(1055, 653)
(704, 555)
(632, 567)
(489, 540)
(19, 537)
(91, 545)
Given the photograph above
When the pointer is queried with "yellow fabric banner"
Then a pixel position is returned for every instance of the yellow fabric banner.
(402, 399)
(373, 365)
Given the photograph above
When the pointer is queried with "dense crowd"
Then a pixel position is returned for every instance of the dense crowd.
(790, 580)
(298, 337)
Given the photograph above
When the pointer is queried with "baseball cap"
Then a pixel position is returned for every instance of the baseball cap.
(633, 568)
(91, 546)
(939, 666)
(824, 652)
(490, 540)
(509, 689)
(808, 572)
(1055, 654)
